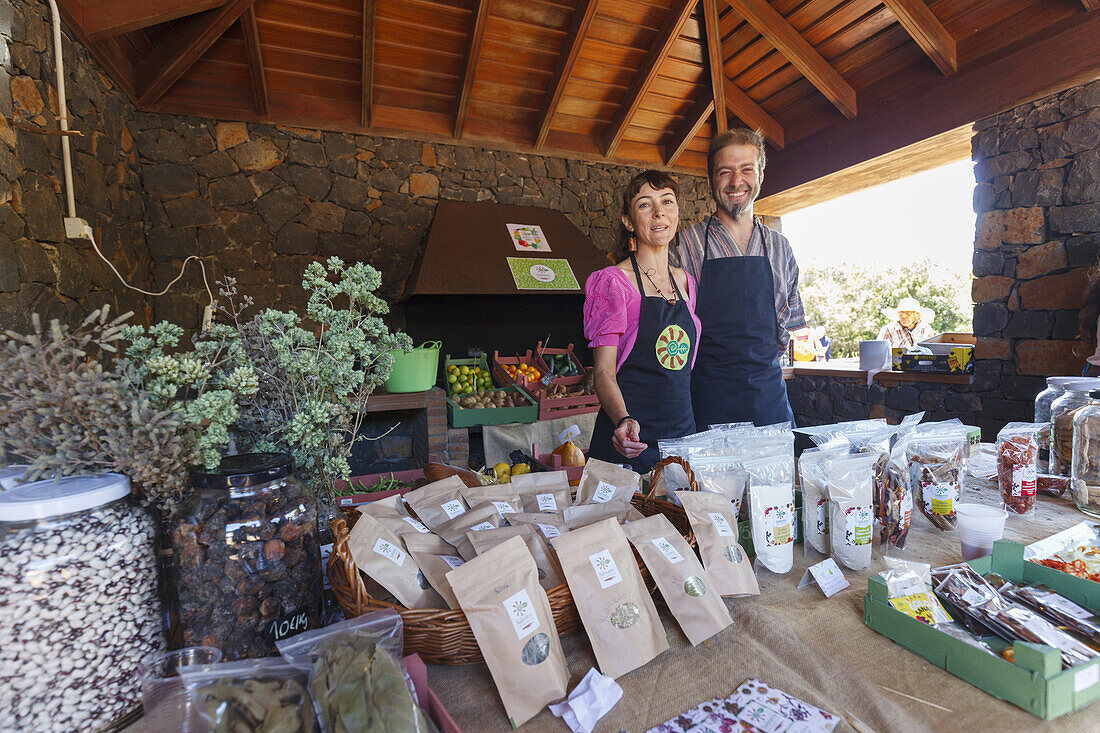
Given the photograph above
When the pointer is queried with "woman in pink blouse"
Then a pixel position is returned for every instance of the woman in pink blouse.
(640, 321)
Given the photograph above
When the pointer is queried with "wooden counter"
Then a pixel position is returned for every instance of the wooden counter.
(842, 370)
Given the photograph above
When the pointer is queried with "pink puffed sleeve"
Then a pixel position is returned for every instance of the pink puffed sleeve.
(605, 307)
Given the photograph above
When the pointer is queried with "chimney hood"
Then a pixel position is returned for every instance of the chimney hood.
(469, 245)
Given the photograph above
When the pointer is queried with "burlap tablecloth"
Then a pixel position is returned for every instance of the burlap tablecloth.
(814, 648)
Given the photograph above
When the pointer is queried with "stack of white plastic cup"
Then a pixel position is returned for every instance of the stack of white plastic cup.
(979, 527)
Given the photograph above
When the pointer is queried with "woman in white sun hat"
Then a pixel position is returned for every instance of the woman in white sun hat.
(909, 324)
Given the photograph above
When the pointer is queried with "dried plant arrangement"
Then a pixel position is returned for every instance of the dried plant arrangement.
(68, 408)
(313, 374)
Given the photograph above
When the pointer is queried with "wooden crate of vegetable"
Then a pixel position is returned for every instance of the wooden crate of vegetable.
(571, 393)
(374, 486)
(519, 370)
(511, 404)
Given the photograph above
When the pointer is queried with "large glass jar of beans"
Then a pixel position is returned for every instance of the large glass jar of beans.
(247, 561)
(1062, 411)
(79, 607)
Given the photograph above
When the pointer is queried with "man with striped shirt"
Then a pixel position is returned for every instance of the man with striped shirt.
(748, 297)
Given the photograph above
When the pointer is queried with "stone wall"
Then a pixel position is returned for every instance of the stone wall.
(1037, 197)
(261, 202)
(256, 202)
(39, 269)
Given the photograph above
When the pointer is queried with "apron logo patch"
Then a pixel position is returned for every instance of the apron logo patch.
(673, 347)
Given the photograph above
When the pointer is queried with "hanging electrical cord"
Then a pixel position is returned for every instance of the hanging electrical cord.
(76, 227)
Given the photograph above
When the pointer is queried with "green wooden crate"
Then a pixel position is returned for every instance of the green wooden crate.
(466, 417)
(480, 361)
(1036, 681)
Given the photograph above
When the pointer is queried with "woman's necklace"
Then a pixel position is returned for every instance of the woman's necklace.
(670, 301)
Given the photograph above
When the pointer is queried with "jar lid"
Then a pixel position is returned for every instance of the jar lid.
(52, 497)
(1084, 384)
(10, 476)
(1061, 382)
(242, 470)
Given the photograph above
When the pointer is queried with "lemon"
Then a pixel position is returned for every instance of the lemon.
(520, 468)
(451, 378)
(501, 470)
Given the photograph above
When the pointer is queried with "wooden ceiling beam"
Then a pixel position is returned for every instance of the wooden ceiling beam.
(789, 42)
(367, 104)
(473, 53)
(1066, 55)
(185, 44)
(578, 29)
(689, 126)
(927, 30)
(752, 114)
(251, 32)
(713, 38)
(105, 18)
(670, 29)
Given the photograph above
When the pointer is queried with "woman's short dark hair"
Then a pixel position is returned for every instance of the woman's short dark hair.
(657, 180)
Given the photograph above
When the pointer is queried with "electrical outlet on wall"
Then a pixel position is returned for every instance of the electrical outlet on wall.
(77, 228)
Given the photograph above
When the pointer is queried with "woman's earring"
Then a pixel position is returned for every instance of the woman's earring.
(632, 244)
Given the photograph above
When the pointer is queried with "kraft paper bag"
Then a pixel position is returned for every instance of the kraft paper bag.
(511, 619)
(715, 527)
(617, 612)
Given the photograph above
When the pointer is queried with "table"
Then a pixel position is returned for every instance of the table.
(814, 648)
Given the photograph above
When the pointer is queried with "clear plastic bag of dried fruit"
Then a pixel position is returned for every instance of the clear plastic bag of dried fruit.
(936, 454)
(1018, 465)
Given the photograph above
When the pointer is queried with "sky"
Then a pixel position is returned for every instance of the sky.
(926, 215)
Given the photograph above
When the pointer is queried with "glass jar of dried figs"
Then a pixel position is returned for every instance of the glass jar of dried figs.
(247, 560)
(1062, 411)
(79, 608)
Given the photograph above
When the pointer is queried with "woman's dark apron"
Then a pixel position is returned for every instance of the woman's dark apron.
(655, 379)
(737, 377)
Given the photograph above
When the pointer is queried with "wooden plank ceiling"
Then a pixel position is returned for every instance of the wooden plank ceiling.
(630, 81)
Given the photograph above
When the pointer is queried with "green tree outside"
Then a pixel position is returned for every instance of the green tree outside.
(848, 299)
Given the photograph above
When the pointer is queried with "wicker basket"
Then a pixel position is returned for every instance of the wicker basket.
(442, 636)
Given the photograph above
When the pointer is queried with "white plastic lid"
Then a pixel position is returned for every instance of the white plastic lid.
(10, 475)
(568, 434)
(1061, 382)
(52, 497)
(1082, 384)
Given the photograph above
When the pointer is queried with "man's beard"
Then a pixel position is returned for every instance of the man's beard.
(736, 210)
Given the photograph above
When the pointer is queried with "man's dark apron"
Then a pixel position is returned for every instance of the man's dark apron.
(655, 379)
(737, 377)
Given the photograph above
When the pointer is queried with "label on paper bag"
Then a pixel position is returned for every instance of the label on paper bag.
(606, 570)
(721, 524)
(453, 508)
(667, 550)
(857, 525)
(604, 492)
(546, 502)
(549, 531)
(483, 525)
(521, 612)
(453, 560)
(390, 551)
(415, 525)
(503, 507)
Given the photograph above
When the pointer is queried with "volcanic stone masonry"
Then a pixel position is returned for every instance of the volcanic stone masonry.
(1037, 197)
